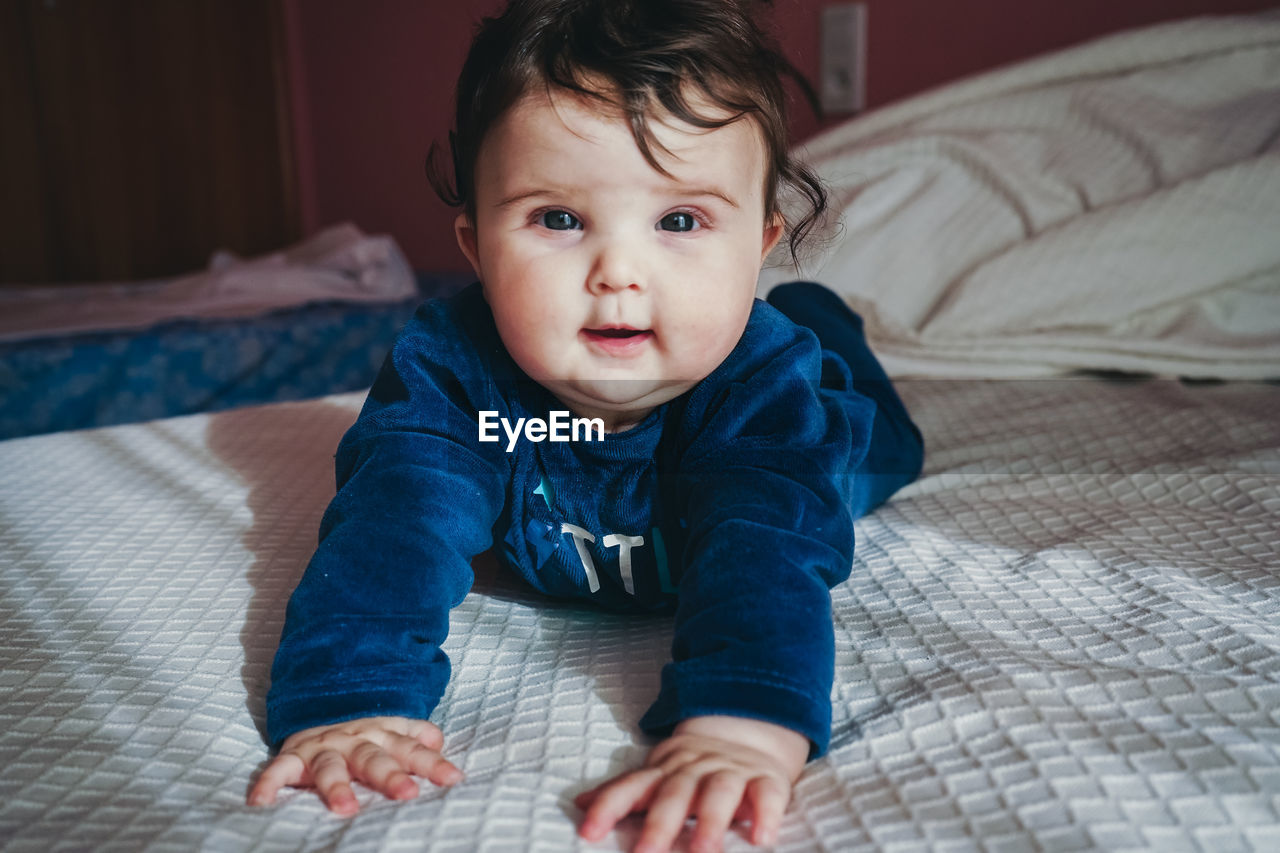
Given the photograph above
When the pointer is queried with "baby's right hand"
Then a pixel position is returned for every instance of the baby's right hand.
(380, 752)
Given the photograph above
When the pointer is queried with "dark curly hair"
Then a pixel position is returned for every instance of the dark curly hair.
(636, 56)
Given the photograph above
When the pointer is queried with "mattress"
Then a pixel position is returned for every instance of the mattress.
(1064, 636)
(189, 365)
(308, 320)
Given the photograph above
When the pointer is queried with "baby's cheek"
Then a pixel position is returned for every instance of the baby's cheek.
(705, 352)
(526, 346)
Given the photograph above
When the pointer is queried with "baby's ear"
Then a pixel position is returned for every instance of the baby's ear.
(467, 241)
(774, 227)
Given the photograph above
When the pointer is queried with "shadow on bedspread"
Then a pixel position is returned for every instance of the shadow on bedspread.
(288, 466)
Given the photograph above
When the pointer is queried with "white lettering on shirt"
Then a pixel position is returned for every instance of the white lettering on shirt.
(580, 538)
(625, 543)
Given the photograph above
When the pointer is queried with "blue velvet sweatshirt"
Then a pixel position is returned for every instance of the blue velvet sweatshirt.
(732, 506)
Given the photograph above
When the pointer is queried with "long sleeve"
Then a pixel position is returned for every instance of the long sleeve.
(416, 501)
(765, 494)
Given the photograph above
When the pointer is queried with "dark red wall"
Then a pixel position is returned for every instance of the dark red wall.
(373, 82)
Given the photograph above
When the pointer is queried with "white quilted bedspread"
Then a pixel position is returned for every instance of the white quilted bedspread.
(1064, 637)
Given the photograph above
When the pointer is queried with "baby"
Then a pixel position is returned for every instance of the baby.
(618, 165)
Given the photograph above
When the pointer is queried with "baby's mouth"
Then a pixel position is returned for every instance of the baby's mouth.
(617, 333)
(617, 340)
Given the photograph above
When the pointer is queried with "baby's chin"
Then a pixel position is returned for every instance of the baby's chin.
(622, 403)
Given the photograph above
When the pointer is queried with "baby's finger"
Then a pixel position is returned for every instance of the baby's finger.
(717, 803)
(430, 765)
(615, 800)
(667, 813)
(443, 772)
(586, 798)
(284, 770)
(381, 771)
(769, 798)
(425, 733)
(332, 779)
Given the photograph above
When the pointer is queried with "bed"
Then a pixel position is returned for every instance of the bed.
(312, 319)
(1064, 636)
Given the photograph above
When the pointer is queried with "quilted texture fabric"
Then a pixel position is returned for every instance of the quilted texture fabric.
(1065, 636)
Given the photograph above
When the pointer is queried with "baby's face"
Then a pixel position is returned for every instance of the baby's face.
(612, 285)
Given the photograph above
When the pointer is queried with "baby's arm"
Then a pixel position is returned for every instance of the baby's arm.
(417, 498)
(381, 752)
(712, 769)
(767, 532)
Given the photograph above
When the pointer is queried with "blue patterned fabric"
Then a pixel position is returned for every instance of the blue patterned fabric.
(189, 366)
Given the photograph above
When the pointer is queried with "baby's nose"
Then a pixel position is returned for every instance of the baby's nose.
(618, 266)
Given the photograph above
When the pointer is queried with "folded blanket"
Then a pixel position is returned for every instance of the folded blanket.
(337, 264)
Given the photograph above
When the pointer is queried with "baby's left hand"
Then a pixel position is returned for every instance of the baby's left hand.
(712, 769)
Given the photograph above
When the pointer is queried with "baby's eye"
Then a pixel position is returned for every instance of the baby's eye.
(559, 220)
(678, 221)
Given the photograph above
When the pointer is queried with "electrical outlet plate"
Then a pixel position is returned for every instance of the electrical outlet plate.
(843, 84)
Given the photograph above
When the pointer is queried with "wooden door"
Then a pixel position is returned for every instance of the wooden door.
(137, 136)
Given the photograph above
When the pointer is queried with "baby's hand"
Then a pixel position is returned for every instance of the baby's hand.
(380, 752)
(711, 769)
